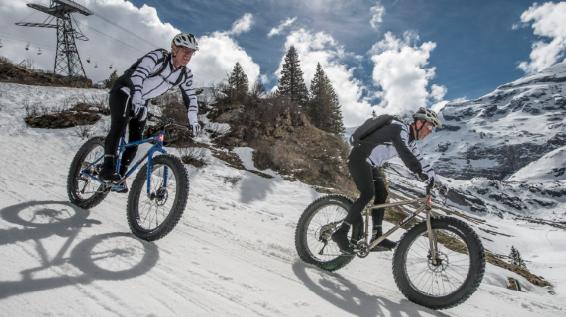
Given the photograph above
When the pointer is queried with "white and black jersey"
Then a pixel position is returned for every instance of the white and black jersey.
(391, 141)
(154, 75)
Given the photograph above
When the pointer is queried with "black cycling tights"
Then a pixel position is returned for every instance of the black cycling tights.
(371, 183)
(120, 107)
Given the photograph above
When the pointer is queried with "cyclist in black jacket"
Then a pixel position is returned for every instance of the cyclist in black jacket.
(365, 161)
(151, 76)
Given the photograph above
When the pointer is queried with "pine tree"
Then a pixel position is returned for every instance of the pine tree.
(516, 259)
(292, 83)
(108, 83)
(237, 82)
(323, 107)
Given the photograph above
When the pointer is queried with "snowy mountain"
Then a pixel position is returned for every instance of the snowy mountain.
(505, 153)
(232, 254)
(499, 134)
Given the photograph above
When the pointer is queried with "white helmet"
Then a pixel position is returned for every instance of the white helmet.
(428, 115)
(185, 40)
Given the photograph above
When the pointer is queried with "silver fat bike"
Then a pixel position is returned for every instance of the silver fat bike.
(438, 263)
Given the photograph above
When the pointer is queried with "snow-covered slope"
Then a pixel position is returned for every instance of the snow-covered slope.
(232, 254)
(552, 166)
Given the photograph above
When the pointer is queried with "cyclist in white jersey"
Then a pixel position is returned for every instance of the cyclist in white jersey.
(152, 75)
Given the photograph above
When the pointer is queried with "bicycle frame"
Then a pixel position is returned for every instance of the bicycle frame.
(413, 215)
(157, 141)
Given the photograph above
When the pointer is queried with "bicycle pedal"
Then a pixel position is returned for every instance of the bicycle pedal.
(119, 188)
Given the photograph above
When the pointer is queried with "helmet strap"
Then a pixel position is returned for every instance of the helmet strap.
(417, 130)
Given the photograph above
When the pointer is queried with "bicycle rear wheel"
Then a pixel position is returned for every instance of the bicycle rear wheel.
(317, 223)
(82, 189)
(453, 278)
(153, 214)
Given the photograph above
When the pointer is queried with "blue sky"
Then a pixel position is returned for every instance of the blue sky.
(477, 49)
(385, 55)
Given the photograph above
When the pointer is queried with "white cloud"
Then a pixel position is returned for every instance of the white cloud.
(400, 70)
(320, 47)
(377, 12)
(218, 53)
(111, 45)
(548, 20)
(282, 26)
(437, 92)
(242, 25)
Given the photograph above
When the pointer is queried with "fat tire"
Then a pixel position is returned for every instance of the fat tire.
(473, 279)
(181, 195)
(302, 227)
(74, 171)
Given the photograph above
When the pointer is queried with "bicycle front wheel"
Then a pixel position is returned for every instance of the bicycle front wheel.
(153, 214)
(453, 277)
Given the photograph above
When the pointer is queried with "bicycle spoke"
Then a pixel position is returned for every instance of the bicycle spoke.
(326, 215)
(85, 185)
(443, 277)
(155, 207)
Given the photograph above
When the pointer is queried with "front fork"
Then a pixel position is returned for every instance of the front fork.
(150, 170)
(431, 238)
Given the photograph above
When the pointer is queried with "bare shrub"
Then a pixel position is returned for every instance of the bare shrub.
(193, 156)
(83, 131)
(79, 115)
(231, 180)
(217, 129)
(272, 108)
(26, 63)
(57, 109)
(91, 103)
(175, 111)
(32, 110)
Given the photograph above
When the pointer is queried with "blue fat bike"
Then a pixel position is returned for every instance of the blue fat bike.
(158, 194)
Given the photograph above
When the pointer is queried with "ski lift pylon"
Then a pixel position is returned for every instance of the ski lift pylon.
(39, 52)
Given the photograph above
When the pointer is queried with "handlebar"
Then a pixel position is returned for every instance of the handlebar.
(165, 121)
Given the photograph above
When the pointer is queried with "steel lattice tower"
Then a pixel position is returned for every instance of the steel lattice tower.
(67, 59)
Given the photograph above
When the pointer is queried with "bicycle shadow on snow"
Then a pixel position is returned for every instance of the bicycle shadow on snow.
(109, 256)
(344, 294)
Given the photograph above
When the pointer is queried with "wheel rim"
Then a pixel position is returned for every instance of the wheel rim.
(448, 274)
(321, 225)
(85, 186)
(155, 207)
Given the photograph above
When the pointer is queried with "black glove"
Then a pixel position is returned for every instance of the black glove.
(423, 177)
(430, 186)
